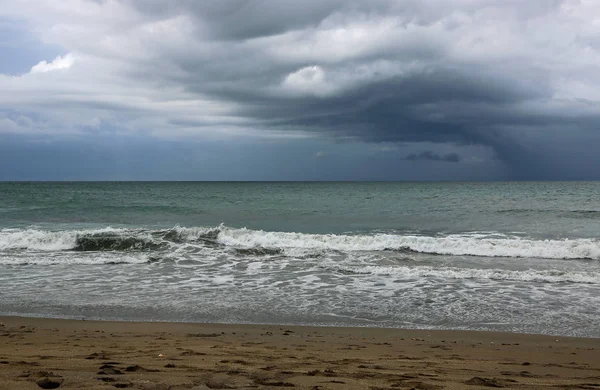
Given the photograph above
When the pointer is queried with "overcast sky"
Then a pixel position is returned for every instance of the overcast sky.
(299, 90)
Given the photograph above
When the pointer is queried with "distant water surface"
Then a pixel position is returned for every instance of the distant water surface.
(512, 256)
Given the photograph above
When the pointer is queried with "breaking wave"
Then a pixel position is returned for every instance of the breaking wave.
(96, 243)
(264, 243)
(107, 239)
(457, 244)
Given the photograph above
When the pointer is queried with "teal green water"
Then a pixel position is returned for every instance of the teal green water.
(522, 257)
(568, 209)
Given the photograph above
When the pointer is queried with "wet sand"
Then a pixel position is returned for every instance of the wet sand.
(67, 354)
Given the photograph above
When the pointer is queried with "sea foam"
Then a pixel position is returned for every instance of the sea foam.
(448, 273)
(460, 244)
(259, 242)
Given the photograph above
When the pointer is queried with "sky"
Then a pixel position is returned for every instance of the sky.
(299, 90)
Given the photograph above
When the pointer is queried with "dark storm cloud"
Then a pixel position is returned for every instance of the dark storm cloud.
(511, 76)
(434, 99)
(243, 19)
(431, 156)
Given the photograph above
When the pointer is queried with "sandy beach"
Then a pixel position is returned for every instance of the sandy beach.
(50, 353)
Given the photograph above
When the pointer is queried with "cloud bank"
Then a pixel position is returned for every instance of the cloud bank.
(516, 78)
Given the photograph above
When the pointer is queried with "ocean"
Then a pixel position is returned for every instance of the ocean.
(499, 256)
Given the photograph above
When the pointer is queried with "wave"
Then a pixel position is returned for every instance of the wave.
(77, 260)
(114, 243)
(540, 276)
(87, 240)
(573, 214)
(106, 239)
(259, 251)
(262, 243)
(454, 244)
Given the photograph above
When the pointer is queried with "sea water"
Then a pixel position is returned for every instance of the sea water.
(506, 256)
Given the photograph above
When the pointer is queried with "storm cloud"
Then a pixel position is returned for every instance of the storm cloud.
(514, 79)
(431, 156)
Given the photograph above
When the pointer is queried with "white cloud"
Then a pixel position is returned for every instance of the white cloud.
(308, 80)
(59, 63)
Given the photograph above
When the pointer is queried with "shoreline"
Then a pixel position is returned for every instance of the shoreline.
(37, 352)
(308, 325)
